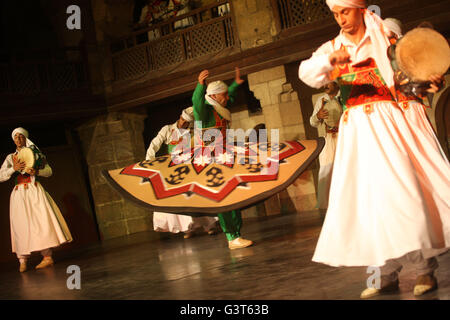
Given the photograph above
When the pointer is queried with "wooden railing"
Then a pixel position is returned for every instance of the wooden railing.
(298, 12)
(206, 30)
(33, 73)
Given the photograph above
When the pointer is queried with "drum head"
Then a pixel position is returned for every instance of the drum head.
(27, 156)
(423, 52)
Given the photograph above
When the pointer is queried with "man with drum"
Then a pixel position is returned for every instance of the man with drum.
(326, 115)
(36, 221)
(171, 135)
(380, 209)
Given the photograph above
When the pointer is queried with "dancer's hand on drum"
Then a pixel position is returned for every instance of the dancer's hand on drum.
(31, 171)
(339, 57)
(237, 77)
(202, 76)
(322, 114)
(437, 83)
(18, 165)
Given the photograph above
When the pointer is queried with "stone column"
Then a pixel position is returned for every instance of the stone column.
(255, 22)
(282, 110)
(110, 142)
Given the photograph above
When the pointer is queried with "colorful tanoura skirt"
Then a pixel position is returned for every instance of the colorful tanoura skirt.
(210, 180)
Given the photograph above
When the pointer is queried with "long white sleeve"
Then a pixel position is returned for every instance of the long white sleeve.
(315, 71)
(7, 169)
(156, 143)
(46, 172)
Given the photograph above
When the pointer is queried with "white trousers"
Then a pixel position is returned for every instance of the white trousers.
(45, 253)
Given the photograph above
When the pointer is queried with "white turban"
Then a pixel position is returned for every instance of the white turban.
(217, 87)
(393, 25)
(25, 133)
(347, 3)
(188, 114)
(19, 130)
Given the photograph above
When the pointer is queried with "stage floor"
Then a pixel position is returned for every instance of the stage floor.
(277, 267)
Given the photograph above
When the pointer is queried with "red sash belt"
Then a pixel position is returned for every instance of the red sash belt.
(24, 179)
(332, 129)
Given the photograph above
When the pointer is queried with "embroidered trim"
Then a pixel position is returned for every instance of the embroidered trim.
(345, 115)
(368, 108)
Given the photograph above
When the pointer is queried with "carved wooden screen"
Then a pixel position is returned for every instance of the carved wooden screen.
(297, 12)
(294, 13)
(209, 39)
(131, 63)
(61, 72)
(64, 76)
(25, 80)
(210, 31)
(167, 52)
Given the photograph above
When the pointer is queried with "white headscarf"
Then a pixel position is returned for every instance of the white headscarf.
(25, 133)
(188, 114)
(217, 87)
(393, 25)
(378, 37)
(346, 3)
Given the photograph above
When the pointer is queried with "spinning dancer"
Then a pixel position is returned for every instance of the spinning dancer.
(211, 107)
(390, 198)
(166, 222)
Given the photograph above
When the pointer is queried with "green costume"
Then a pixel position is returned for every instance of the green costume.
(230, 221)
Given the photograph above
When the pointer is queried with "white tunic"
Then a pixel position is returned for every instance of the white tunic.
(383, 201)
(36, 221)
(326, 157)
(167, 134)
(169, 222)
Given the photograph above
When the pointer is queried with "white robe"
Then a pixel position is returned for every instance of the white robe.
(391, 195)
(326, 157)
(36, 221)
(169, 222)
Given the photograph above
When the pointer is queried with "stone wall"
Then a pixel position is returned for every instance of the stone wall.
(110, 142)
(255, 22)
(281, 110)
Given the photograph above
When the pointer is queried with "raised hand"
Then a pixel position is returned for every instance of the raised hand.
(322, 114)
(202, 76)
(237, 76)
(339, 57)
(437, 83)
(18, 165)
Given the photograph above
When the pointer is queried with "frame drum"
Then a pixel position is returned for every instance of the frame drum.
(421, 53)
(27, 155)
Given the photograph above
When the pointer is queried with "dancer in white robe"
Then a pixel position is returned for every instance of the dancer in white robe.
(175, 223)
(36, 221)
(389, 199)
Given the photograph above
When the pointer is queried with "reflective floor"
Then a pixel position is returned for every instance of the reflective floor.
(278, 266)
